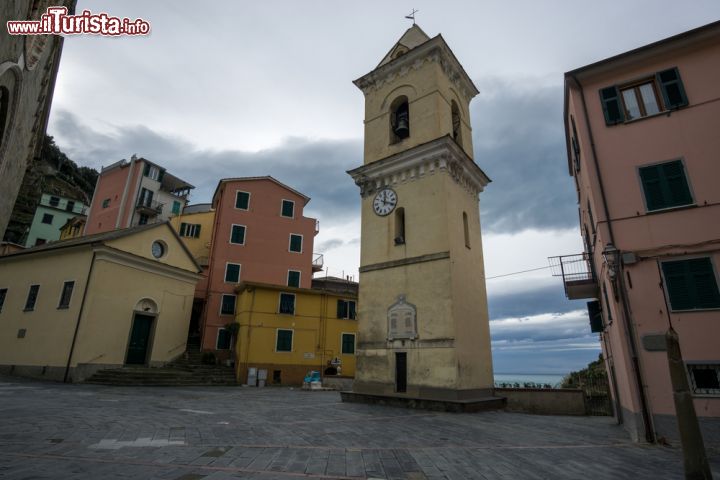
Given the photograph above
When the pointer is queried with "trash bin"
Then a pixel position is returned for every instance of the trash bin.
(252, 377)
(262, 377)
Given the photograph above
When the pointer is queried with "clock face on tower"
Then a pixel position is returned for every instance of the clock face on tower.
(385, 201)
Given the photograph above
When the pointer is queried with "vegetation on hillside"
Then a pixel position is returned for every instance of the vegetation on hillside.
(52, 172)
(594, 373)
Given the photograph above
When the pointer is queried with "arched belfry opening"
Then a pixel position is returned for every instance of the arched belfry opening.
(399, 119)
(456, 122)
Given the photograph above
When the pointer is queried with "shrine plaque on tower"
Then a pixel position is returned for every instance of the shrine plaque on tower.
(423, 330)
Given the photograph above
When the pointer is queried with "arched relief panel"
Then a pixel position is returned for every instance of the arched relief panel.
(147, 306)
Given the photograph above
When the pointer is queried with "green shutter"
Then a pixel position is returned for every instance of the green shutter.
(295, 243)
(293, 278)
(665, 185)
(183, 229)
(676, 184)
(672, 88)
(238, 234)
(348, 343)
(612, 106)
(284, 341)
(232, 273)
(650, 177)
(351, 310)
(161, 175)
(197, 231)
(691, 284)
(341, 309)
(242, 200)
(176, 207)
(228, 305)
(146, 171)
(288, 208)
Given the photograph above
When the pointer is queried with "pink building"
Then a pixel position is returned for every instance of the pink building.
(134, 193)
(259, 235)
(643, 148)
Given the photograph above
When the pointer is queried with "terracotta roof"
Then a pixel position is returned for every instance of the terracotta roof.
(266, 177)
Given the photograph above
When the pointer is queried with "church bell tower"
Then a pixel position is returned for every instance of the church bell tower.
(423, 317)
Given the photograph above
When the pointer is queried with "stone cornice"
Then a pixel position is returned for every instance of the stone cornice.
(109, 254)
(434, 50)
(438, 156)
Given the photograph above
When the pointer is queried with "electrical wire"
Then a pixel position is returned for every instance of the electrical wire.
(518, 273)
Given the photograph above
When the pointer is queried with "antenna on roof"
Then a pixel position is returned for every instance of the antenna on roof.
(412, 15)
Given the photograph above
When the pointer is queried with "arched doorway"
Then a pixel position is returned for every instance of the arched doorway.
(141, 332)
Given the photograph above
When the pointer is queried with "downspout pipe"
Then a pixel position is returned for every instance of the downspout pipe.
(77, 323)
(645, 411)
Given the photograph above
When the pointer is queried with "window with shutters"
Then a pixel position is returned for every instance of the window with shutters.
(655, 94)
(665, 186)
(106, 203)
(66, 294)
(3, 295)
(237, 234)
(347, 344)
(575, 144)
(176, 207)
(705, 378)
(346, 309)
(232, 272)
(224, 338)
(47, 218)
(54, 201)
(242, 200)
(227, 305)
(295, 243)
(190, 230)
(283, 340)
(293, 279)
(691, 284)
(32, 298)
(287, 304)
(287, 208)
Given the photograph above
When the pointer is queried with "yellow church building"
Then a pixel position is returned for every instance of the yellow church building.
(73, 307)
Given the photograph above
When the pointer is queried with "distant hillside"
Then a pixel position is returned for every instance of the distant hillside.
(52, 173)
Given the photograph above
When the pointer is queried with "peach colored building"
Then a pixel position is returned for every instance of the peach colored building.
(642, 146)
(135, 192)
(259, 235)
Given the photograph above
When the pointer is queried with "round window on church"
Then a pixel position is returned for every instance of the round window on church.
(158, 249)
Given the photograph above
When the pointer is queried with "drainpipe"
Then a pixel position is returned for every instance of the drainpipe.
(123, 199)
(247, 350)
(77, 323)
(645, 411)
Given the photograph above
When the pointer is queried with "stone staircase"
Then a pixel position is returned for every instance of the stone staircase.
(186, 370)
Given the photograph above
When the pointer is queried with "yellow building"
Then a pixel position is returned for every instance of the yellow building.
(423, 317)
(195, 227)
(73, 228)
(289, 331)
(70, 308)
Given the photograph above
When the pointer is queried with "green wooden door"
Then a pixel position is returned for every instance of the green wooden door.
(139, 339)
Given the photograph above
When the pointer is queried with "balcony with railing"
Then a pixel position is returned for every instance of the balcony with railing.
(317, 262)
(149, 207)
(577, 273)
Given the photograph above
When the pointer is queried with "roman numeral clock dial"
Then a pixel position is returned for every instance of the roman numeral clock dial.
(385, 201)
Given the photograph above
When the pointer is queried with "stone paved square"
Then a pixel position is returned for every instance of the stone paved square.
(190, 433)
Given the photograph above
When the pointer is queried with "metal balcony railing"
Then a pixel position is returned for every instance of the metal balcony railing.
(317, 262)
(577, 273)
(150, 207)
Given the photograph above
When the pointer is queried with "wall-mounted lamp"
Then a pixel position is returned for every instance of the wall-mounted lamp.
(611, 256)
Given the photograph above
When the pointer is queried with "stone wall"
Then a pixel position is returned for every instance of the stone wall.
(544, 401)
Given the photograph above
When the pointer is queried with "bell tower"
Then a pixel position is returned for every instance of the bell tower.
(423, 318)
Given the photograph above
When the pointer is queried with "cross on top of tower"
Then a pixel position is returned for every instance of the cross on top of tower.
(412, 15)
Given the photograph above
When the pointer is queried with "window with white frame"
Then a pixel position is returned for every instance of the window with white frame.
(293, 279)
(232, 272)
(347, 346)
(237, 234)
(284, 340)
(287, 303)
(227, 305)
(242, 200)
(287, 209)
(295, 243)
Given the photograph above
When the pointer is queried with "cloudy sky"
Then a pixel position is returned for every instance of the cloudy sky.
(239, 88)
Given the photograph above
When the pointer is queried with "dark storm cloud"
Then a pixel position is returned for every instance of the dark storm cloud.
(531, 302)
(519, 142)
(315, 168)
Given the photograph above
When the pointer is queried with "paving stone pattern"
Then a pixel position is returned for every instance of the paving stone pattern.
(192, 433)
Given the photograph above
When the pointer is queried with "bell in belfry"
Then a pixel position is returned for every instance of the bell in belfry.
(402, 124)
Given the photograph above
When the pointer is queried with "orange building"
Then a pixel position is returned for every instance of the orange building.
(259, 235)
